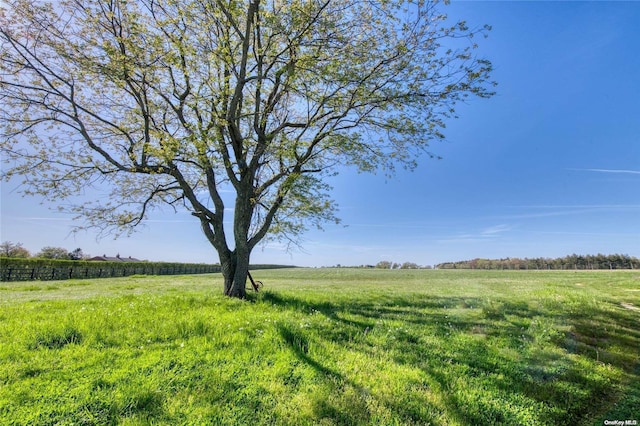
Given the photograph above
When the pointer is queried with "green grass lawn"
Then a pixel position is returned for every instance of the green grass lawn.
(324, 347)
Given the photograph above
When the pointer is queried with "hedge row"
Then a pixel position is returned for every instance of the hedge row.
(14, 269)
(47, 269)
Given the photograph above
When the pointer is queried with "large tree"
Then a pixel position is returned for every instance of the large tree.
(182, 102)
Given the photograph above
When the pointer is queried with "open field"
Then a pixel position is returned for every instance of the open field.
(324, 346)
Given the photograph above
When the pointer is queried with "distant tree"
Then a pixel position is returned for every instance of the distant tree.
(384, 264)
(225, 108)
(76, 254)
(53, 253)
(9, 249)
(409, 265)
(6, 248)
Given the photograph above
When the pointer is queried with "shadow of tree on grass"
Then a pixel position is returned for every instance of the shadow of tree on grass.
(489, 361)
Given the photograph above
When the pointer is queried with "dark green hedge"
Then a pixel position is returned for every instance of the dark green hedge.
(14, 269)
(48, 269)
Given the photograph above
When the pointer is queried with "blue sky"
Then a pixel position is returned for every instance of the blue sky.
(548, 167)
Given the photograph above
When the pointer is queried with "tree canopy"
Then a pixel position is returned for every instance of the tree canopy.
(181, 103)
(9, 249)
(54, 253)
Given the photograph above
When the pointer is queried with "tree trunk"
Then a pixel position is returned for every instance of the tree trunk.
(235, 274)
(235, 270)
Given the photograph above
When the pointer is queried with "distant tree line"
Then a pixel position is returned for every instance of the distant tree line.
(574, 261)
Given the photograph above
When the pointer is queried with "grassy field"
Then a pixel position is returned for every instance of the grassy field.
(324, 347)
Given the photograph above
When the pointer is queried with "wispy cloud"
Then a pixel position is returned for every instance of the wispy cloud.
(617, 171)
(481, 235)
(542, 211)
(40, 219)
(623, 235)
(495, 230)
(394, 225)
